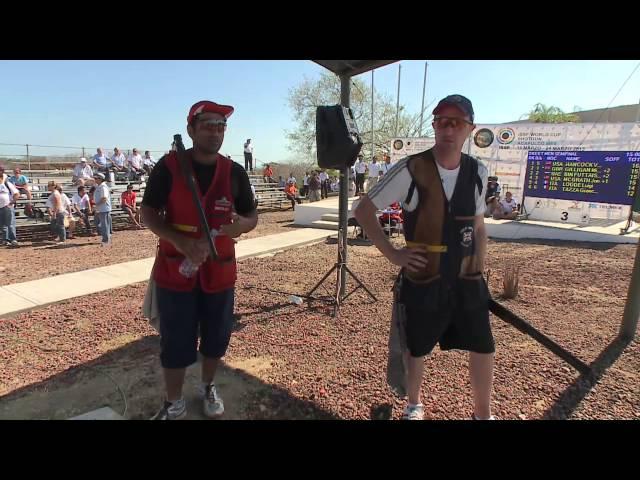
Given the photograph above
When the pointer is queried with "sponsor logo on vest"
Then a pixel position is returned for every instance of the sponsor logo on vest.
(222, 204)
(466, 234)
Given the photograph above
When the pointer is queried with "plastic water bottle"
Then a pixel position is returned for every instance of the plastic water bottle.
(295, 299)
(187, 267)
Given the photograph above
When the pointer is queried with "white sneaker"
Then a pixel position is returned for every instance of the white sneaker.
(14, 243)
(213, 404)
(413, 412)
(172, 411)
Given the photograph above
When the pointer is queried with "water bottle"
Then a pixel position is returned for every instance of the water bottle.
(187, 268)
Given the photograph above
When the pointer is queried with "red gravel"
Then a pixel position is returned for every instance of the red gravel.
(574, 293)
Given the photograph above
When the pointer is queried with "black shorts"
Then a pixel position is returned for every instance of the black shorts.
(456, 318)
(185, 314)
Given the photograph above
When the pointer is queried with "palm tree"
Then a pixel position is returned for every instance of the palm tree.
(543, 114)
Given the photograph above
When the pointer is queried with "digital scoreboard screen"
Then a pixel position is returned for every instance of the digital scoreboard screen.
(599, 177)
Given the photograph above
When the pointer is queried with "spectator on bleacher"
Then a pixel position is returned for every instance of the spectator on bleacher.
(81, 204)
(281, 182)
(267, 173)
(8, 196)
(305, 184)
(292, 194)
(128, 204)
(292, 179)
(324, 178)
(255, 196)
(118, 162)
(248, 155)
(56, 212)
(374, 174)
(102, 197)
(508, 208)
(134, 165)
(100, 161)
(148, 162)
(21, 182)
(314, 187)
(82, 173)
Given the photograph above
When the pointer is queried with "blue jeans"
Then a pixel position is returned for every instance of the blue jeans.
(8, 223)
(104, 225)
(57, 225)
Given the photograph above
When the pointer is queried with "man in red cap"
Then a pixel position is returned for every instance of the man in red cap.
(196, 303)
(440, 294)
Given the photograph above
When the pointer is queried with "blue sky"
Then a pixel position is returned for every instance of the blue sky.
(144, 103)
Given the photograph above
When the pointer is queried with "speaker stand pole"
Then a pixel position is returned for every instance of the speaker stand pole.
(343, 211)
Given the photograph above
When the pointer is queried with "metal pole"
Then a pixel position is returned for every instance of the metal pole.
(28, 158)
(343, 205)
(424, 84)
(632, 307)
(83, 155)
(372, 142)
(395, 133)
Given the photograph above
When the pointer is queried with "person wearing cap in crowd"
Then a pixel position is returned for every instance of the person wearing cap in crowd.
(82, 173)
(361, 168)
(9, 194)
(102, 199)
(248, 155)
(440, 295)
(291, 192)
(134, 164)
(202, 302)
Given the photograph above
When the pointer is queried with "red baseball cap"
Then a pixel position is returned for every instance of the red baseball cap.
(211, 107)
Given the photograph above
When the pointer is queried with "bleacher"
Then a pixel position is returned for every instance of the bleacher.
(269, 194)
(37, 229)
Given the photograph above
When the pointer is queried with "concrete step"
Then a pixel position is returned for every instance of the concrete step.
(324, 224)
(330, 217)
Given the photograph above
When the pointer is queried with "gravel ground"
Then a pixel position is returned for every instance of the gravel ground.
(315, 366)
(46, 259)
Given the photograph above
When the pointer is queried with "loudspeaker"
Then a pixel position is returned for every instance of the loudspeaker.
(337, 138)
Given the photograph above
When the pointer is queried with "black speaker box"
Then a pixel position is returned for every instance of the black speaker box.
(337, 138)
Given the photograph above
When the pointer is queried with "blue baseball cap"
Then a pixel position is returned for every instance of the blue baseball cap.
(461, 103)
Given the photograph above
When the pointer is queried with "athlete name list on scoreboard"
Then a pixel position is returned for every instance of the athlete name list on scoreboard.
(606, 177)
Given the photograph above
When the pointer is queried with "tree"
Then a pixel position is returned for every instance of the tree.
(309, 94)
(543, 114)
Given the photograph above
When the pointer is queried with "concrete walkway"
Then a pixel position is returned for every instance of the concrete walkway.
(36, 293)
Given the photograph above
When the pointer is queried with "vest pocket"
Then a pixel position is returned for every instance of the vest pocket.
(426, 297)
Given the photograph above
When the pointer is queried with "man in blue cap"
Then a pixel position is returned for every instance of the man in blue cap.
(440, 294)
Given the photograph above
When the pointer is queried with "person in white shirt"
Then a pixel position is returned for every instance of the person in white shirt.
(374, 173)
(102, 199)
(305, 184)
(324, 185)
(361, 169)
(82, 173)
(69, 221)
(148, 162)
(291, 179)
(248, 155)
(9, 194)
(118, 161)
(385, 166)
(81, 205)
(508, 208)
(134, 164)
